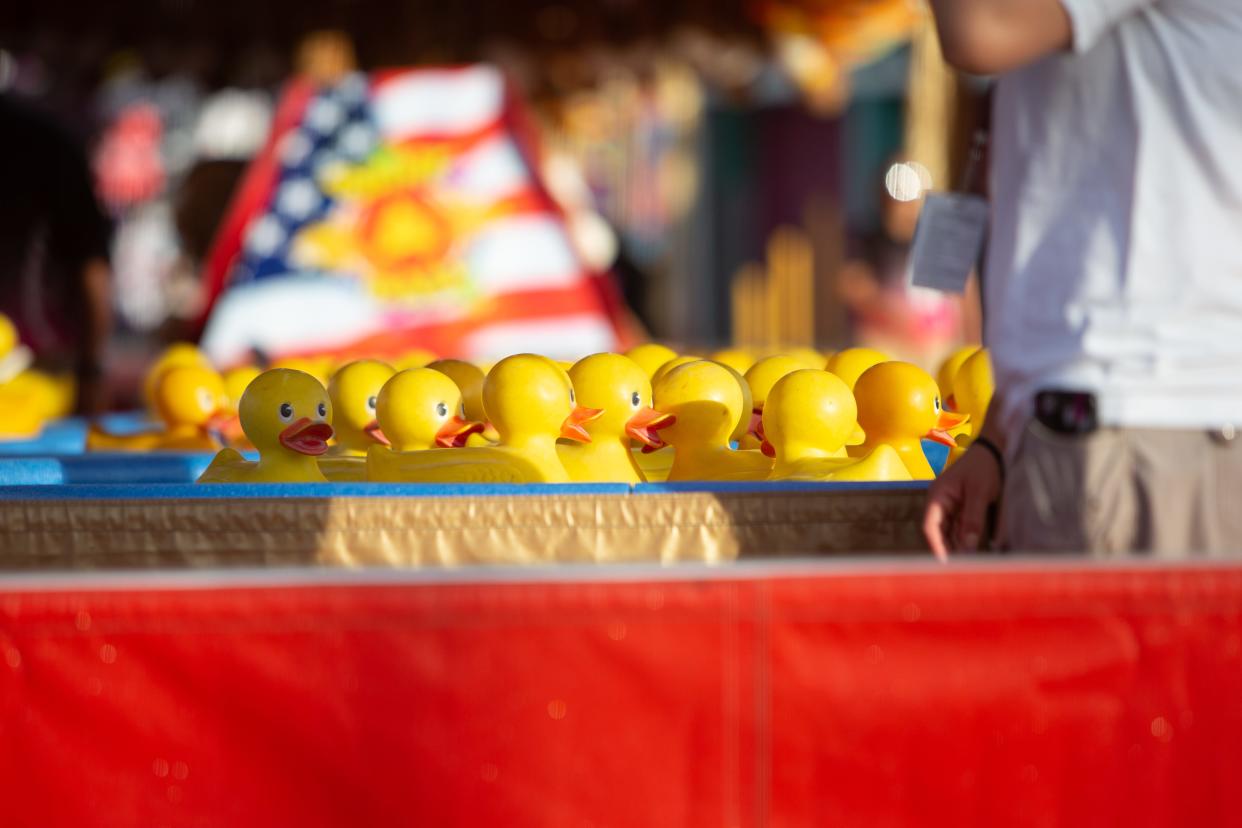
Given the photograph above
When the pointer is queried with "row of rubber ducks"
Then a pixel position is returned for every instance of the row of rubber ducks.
(647, 415)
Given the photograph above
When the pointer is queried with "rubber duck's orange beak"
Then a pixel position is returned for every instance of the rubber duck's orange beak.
(768, 449)
(948, 420)
(221, 421)
(644, 425)
(373, 430)
(572, 428)
(306, 437)
(455, 432)
(756, 422)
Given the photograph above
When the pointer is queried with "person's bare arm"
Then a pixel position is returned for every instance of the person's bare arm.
(987, 37)
(955, 516)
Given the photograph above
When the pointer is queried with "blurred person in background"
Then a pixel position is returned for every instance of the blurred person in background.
(1113, 278)
(887, 311)
(54, 238)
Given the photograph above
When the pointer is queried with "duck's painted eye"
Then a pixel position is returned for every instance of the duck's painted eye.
(461, 411)
(572, 398)
(323, 409)
(937, 403)
(205, 400)
(286, 412)
(442, 409)
(636, 400)
(371, 403)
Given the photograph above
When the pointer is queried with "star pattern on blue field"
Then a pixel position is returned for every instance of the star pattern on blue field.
(338, 128)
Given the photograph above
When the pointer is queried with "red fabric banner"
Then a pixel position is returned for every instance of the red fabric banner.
(969, 695)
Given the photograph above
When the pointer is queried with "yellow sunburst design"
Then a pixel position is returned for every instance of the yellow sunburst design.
(396, 224)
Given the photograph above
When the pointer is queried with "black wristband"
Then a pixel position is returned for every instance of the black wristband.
(997, 455)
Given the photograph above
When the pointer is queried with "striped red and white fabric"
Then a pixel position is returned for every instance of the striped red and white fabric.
(398, 210)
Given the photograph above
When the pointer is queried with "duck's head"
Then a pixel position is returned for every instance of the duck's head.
(178, 353)
(469, 379)
(527, 396)
(706, 400)
(190, 395)
(851, 363)
(650, 356)
(283, 410)
(739, 359)
(973, 387)
(235, 382)
(898, 401)
(766, 372)
(810, 411)
(421, 408)
(761, 377)
(948, 370)
(354, 390)
(675, 362)
(619, 387)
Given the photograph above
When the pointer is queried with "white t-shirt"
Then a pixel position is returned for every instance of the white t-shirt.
(1115, 258)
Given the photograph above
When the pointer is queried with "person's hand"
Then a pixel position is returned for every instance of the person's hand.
(958, 501)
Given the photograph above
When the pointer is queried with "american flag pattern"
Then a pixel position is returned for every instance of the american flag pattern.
(401, 210)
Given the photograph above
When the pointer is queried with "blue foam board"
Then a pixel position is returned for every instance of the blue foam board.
(769, 486)
(193, 491)
(937, 455)
(118, 467)
(30, 471)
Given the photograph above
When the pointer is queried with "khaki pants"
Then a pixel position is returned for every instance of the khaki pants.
(1167, 493)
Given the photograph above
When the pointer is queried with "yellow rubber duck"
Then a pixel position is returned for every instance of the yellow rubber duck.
(285, 415)
(354, 390)
(808, 419)
(761, 377)
(948, 370)
(973, 387)
(706, 401)
(899, 405)
(422, 408)
(656, 464)
(849, 364)
(190, 402)
(531, 403)
(469, 379)
(618, 387)
(30, 399)
(178, 353)
(650, 356)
